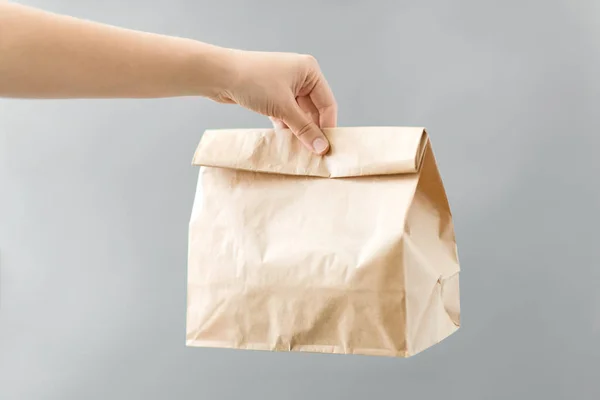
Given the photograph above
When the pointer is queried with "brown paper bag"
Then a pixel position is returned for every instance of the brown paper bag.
(353, 252)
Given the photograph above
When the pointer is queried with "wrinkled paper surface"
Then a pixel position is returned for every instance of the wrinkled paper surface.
(351, 253)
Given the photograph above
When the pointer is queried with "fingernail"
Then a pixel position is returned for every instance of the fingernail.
(319, 145)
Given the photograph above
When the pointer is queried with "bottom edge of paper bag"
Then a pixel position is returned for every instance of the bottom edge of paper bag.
(436, 343)
(323, 349)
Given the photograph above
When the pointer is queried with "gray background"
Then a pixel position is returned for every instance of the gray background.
(95, 198)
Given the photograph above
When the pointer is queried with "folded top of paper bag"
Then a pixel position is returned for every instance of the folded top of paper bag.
(355, 151)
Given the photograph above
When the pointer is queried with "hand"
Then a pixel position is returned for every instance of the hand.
(45, 55)
(289, 88)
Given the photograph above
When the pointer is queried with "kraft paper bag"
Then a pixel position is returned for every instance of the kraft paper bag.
(353, 252)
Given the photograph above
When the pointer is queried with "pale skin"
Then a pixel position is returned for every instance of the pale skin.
(44, 55)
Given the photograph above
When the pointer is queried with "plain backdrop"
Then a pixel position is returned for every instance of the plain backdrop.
(95, 198)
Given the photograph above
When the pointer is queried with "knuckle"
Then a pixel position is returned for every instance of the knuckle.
(304, 129)
(328, 108)
(310, 60)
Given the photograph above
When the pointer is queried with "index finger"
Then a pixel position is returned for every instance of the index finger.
(322, 97)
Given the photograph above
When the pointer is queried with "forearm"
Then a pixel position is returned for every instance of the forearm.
(43, 55)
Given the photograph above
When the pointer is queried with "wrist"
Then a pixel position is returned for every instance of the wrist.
(215, 71)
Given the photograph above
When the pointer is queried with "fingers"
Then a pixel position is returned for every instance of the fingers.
(309, 108)
(305, 129)
(323, 100)
(313, 107)
(306, 105)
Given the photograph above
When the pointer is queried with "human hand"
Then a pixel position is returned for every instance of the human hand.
(45, 55)
(288, 88)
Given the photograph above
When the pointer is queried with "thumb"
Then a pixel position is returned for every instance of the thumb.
(305, 129)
